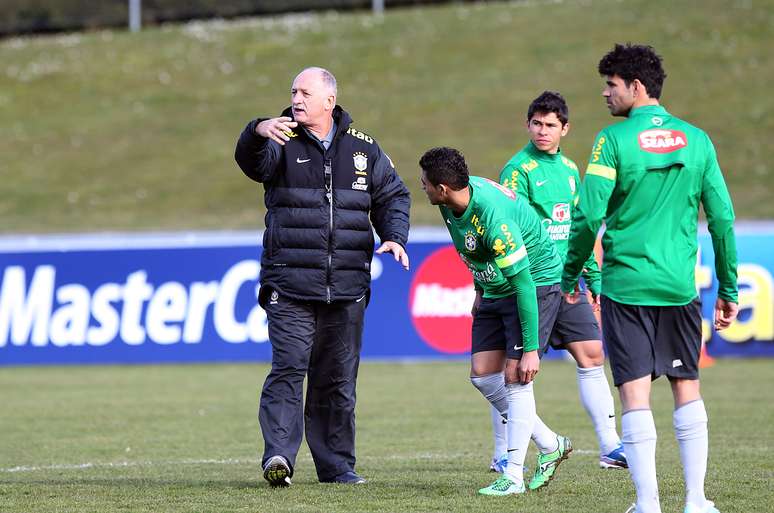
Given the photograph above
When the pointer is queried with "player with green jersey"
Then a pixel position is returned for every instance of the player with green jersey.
(549, 182)
(516, 271)
(646, 178)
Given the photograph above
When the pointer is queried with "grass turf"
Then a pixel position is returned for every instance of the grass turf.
(110, 130)
(186, 438)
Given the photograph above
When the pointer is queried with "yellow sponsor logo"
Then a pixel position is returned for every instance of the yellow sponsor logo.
(476, 222)
(598, 149)
(513, 182)
(508, 236)
(499, 247)
(529, 166)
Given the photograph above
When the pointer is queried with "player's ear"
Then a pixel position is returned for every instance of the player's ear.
(638, 88)
(565, 128)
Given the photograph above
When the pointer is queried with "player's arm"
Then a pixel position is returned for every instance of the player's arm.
(597, 186)
(390, 202)
(720, 221)
(511, 258)
(591, 273)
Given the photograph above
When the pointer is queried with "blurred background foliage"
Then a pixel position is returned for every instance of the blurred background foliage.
(109, 130)
(26, 16)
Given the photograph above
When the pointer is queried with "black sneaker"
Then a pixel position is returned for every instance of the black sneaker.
(348, 477)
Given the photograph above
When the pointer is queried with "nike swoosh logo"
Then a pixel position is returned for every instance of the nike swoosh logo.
(448, 222)
(301, 161)
(516, 348)
(541, 183)
(359, 300)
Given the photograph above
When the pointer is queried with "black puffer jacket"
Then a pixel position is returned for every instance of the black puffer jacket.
(318, 242)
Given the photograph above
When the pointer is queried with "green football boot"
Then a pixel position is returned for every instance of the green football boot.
(503, 486)
(548, 463)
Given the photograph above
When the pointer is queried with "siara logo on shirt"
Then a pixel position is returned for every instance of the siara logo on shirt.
(662, 141)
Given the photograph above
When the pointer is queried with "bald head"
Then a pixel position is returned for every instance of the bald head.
(327, 78)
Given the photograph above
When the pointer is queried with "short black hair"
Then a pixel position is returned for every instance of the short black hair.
(547, 102)
(632, 62)
(445, 166)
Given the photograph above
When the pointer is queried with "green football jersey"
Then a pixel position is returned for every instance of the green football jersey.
(498, 235)
(551, 184)
(646, 178)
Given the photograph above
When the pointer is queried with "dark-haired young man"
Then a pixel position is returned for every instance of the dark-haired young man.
(516, 270)
(549, 182)
(646, 178)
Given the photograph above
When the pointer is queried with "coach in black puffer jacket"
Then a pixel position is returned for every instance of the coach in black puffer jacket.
(318, 246)
(322, 181)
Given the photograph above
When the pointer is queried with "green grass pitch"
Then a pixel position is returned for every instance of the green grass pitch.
(186, 438)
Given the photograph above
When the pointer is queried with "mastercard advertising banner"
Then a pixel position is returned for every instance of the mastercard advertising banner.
(191, 297)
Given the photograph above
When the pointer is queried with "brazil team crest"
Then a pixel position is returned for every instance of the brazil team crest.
(361, 161)
(470, 241)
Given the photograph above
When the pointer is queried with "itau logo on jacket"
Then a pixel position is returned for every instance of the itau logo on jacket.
(440, 300)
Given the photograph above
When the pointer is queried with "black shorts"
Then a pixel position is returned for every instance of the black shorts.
(574, 322)
(496, 325)
(652, 340)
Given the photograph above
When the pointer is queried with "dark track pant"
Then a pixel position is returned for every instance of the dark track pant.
(322, 341)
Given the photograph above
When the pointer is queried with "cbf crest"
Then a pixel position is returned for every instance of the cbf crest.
(470, 241)
(361, 161)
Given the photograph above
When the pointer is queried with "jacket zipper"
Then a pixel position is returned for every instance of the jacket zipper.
(329, 196)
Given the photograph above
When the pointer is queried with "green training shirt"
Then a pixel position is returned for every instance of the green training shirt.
(551, 184)
(497, 236)
(645, 179)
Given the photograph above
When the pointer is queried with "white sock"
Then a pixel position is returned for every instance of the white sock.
(492, 386)
(639, 439)
(598, 401)
(690, 421)
(499, 432)
(521, 416)
(544, 438)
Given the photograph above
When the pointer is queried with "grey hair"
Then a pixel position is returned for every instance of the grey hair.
(327, 77)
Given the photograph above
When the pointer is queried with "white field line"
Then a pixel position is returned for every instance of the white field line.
(124, 464)
(227, 461)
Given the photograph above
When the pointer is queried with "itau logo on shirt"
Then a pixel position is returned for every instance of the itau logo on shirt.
(662, 141)
(440, 300)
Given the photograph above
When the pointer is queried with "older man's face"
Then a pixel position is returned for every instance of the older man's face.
(311, 99)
